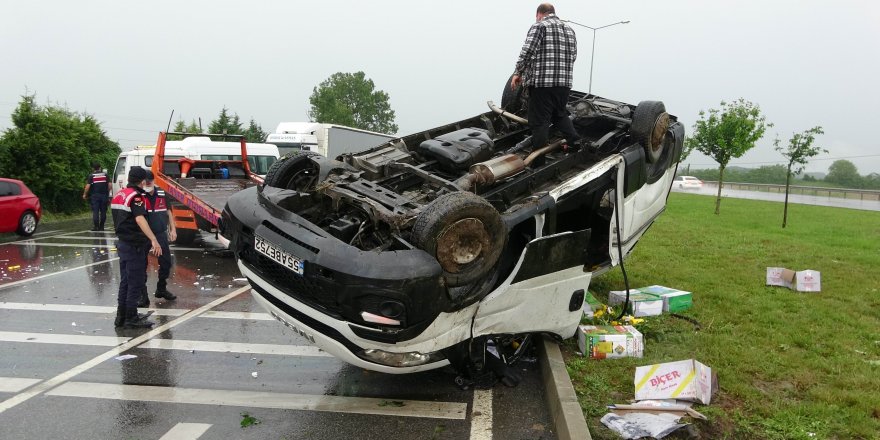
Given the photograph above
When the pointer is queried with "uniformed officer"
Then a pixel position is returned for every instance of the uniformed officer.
(162, 225)
(97, 191)
(136, 240)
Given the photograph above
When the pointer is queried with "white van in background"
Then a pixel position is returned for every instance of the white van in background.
(260, 156)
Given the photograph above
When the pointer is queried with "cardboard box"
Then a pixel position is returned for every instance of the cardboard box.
(610, 341)
(674, 300)
(801, 281)
(640, 303)
(683, 380)
(591, 304)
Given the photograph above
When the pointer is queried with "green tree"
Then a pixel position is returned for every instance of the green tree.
(845, 173)
(727, 133)
(351, 99)
(181, 127)
(51, 149)
(800, 149)
(226, 124)
(254, 132)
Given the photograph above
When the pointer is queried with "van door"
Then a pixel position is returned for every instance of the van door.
(119, 174)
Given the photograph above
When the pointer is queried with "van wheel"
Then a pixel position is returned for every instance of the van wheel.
(515, 101)
(27, 224)
(186, 237)
(294, 171)
(464, 233)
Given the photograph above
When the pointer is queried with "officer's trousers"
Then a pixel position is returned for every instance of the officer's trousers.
(133, 273)
(164, 262)
(99, 210)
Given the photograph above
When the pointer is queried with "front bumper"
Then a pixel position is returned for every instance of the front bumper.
(331, 335)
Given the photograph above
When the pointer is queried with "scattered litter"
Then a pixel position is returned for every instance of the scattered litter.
(196, 283)
(802, 281)
(684, 380)
(874, 362)
(254, 374)
(248, 420)
(591, 305)
(240, 281)
(606, 341)
(638, 425)
(658, 407)
(73, 324)
(125, 357)
(640, 304)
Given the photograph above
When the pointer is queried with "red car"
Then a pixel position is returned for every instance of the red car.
(20, 209)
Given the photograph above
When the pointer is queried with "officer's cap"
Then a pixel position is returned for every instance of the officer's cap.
(149, 175)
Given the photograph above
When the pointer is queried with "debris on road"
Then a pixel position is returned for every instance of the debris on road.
(683, 380)
(639, 425)
(254, 374)
(608, 342)
(125, 357)
(801, 281)
(248, 420)
(240, 281)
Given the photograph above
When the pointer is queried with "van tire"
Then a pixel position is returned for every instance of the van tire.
(294, 171)
(464, 233)
(649, 125)
(515, 101)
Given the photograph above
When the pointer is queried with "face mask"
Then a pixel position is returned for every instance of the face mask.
(149, 189)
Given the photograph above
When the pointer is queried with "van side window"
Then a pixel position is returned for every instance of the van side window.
(120, 168)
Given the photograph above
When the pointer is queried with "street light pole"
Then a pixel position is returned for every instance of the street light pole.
(593, 53)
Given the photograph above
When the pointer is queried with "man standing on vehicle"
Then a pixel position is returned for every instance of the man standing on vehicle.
(162, 224)
(97, 191)
(545, 66)
(136, 240)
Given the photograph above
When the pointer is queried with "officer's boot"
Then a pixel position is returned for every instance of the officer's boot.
(162, 291)
(120, 317)
(145, 299)
(135, 320)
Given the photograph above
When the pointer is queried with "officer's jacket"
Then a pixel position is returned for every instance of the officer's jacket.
(157, 211)
(98, 184)
(128, 204)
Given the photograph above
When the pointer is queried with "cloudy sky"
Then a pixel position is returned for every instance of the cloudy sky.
(130, 63)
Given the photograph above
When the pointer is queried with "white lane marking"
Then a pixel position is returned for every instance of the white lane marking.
(52, 338)
(16, 384)
(69, 374)
(481, 415)
(31, 240)
(186, 431)
(36, 234)
(258, 316)
(71, 237)
(262, 399)
(97, 246)
(235, 347)
(80, 308)
(16, 283)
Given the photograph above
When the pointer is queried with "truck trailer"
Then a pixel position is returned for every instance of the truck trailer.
(328, 140)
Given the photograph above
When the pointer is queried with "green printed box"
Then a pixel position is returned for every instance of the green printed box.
(640, 303)
(674, 300)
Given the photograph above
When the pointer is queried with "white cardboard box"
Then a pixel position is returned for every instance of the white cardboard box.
(801, 281)
(682, 380)
(640, 303)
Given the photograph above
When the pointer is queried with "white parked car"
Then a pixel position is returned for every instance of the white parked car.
(687, 182)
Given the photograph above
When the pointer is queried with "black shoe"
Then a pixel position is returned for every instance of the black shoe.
(164, 294)
(138, 321)
(144, 301)
(120, 317)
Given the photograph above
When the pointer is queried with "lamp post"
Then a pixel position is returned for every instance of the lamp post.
(593, 53)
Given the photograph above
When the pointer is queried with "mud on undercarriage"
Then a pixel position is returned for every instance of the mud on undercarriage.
(392, 241)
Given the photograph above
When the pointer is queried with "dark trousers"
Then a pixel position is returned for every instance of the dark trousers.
(164, 262)
(547, 106)
(99, 210)
(133, 274)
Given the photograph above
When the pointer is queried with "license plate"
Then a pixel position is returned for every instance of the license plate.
(277, 255)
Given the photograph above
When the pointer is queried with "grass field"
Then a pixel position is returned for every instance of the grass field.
(789, 364)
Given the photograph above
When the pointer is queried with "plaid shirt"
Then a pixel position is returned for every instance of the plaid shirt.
(547, 57)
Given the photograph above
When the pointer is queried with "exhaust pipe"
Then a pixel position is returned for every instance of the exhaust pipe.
(506, 114)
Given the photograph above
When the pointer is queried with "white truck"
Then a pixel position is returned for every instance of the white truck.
(328, 140)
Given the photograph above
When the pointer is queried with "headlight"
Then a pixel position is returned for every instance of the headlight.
(410, 359)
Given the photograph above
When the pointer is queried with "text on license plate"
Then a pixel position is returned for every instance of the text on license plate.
(276, 254)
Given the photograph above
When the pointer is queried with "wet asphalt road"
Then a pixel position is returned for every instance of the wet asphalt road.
(213, 357)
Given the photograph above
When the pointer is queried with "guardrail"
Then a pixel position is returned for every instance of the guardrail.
(845, 193)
